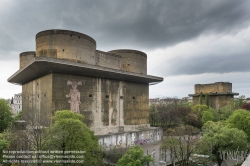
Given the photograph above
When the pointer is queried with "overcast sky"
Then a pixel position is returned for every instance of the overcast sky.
(187, 41)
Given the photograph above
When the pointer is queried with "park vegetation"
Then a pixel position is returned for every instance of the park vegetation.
(135, 157)
(188, 130)
(67, 133)
(202, 130)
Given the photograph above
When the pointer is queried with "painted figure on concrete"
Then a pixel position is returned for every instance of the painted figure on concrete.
(74, 95)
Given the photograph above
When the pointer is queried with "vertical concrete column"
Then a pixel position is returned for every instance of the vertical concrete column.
(217, 103)
(120, 104)
(98, 119)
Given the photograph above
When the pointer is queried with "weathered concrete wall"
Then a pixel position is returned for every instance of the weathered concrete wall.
(132, 60)
(136, 104)
(218, 87)
(108, 60)
(215, 101)
(104, 103)
(37, 100)
(65, 44)
(131, 138)
(26, 57)
(108, 105)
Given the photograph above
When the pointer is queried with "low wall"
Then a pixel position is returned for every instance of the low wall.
(131, 138)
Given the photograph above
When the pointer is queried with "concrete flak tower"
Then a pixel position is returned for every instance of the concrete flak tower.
(219, 94)
(66, 72)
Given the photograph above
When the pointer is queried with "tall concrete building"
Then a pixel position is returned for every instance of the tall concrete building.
(66, 72)
(219, 94)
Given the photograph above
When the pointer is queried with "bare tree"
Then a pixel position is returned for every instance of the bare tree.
(180, 149)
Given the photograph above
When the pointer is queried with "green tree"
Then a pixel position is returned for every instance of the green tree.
(225, 112)
(3, 145)
(5, 115)
(135, 157)
(207, 116)
(18, 116)
(240, 119)
(200, 109)
(69, 133)
(221, 137)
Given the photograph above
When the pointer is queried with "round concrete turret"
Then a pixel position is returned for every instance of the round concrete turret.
(64, 44)
(26, 57)
(132, 60)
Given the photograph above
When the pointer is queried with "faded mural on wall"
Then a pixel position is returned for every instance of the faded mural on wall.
(74, 96)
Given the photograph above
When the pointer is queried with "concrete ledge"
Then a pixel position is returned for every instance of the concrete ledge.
(41, 66)
(215, 94)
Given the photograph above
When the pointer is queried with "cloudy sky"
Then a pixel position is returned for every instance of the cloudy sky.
(187, 41)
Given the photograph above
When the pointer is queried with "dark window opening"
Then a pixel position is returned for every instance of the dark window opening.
(38, 96)
(44, 95)
(121, 97)
(70, 35)
(63, 50)
(107, 96)
(133, 97)
(128, 64)
(90, 95)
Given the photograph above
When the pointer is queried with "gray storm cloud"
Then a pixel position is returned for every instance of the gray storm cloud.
(146, 25)
(141, 24)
